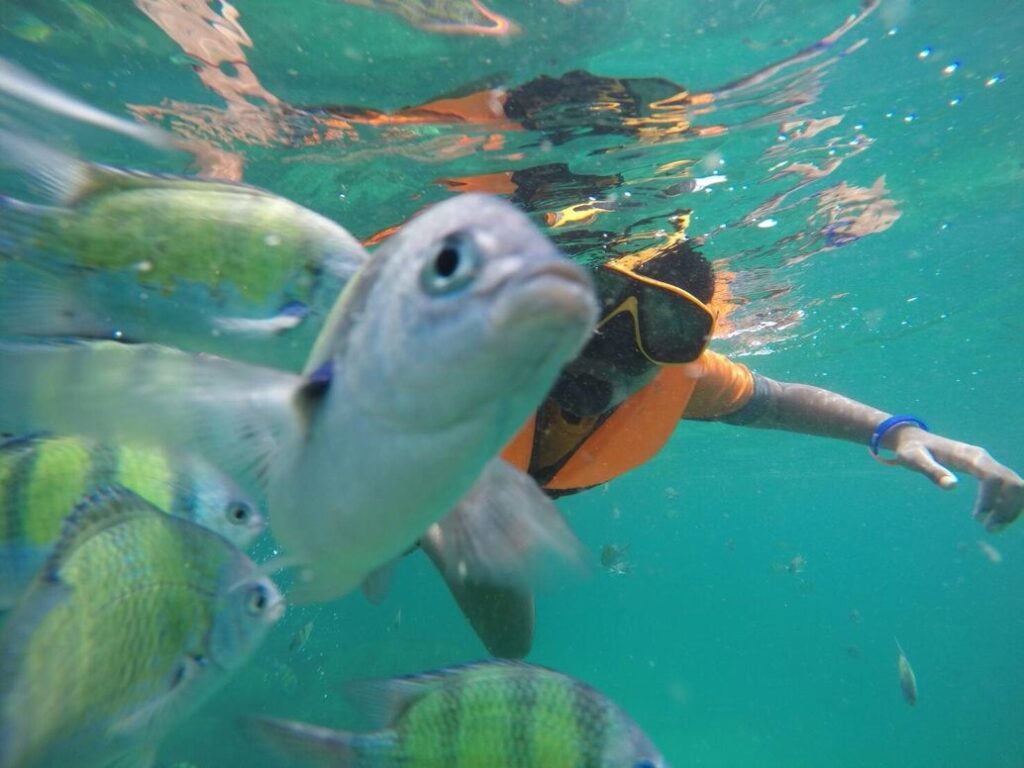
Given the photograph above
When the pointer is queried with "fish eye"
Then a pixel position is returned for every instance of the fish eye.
(453, 266)
(257, 601)
(238, 512)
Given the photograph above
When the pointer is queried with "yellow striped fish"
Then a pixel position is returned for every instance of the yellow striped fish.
(134, 619)
(494, 714)
(43, 477)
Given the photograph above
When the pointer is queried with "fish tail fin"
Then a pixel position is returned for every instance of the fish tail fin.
(62, 177)
(899, 648)
(323, 746)
(37, 300)
(21, 223)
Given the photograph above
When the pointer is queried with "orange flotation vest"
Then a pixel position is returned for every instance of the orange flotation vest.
(566, 455)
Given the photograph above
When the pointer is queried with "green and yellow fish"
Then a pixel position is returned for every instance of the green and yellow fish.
(136, 617)
(487, 715)
(205, 265)
(43, 477)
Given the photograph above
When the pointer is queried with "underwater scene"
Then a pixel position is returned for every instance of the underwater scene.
(570, 383)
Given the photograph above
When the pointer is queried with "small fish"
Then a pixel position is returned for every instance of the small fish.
(498, 714)
(613, 559)
(301, 637)
(796, 565)
(203, 265)
(283, 676)
(43, 477)
(376, 440)
(854, 615)
(908, 683)
(992, 554)
(105, 652)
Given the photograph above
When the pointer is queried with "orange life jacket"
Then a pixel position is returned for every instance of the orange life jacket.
(566, 455)
(595, 450)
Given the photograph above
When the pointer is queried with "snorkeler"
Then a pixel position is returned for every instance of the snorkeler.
(647, 367)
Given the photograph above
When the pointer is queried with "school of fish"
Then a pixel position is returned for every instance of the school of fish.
(188, 363)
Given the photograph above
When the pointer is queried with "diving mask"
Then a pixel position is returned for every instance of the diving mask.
(670, 324)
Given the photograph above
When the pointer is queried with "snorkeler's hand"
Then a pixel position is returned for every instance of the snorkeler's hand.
(1000, 492)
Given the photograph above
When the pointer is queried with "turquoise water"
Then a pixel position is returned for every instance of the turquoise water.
(888, 269)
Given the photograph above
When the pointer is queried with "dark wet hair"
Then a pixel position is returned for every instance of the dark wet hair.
(682, 265)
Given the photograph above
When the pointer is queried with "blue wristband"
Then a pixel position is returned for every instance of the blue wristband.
(888, 424)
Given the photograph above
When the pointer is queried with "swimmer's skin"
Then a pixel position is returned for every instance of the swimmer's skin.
(815, 411)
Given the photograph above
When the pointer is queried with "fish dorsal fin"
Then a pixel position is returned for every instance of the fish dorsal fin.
(99, 510)
(384, 702)
(100, 179)
(68, 181)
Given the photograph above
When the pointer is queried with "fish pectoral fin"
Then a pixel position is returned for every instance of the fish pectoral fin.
(504, 531)
(377, 584)
(321, 746)
(501, 616)
(493, 548)
(288, 317)
(185, 670)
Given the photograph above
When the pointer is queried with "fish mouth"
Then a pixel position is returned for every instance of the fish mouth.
(276, 609)
(557, 293)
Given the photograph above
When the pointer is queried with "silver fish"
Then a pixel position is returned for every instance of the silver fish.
(437, 351)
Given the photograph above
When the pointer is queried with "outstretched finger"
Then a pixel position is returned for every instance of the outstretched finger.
(921, 460)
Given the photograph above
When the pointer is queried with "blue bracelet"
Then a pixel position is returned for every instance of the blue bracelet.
(888, 424)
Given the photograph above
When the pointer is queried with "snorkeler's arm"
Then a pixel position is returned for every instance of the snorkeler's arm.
(815, 411)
